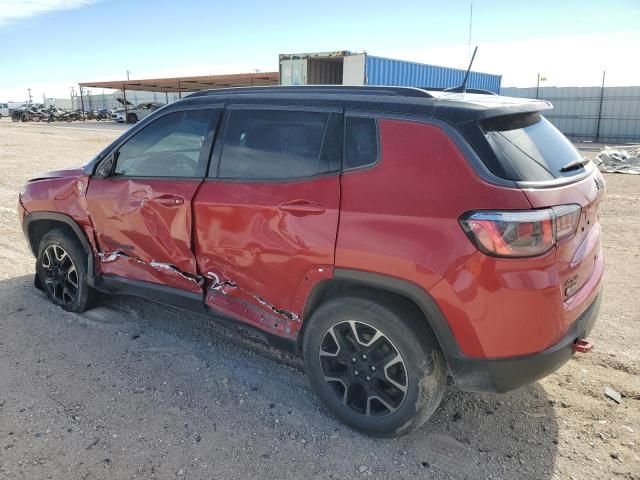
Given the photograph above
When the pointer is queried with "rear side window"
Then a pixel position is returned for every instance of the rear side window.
(529, 148)
(361, 142)
(278, 144)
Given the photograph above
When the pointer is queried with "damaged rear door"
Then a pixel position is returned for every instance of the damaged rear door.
(266, 217)
(140, 200)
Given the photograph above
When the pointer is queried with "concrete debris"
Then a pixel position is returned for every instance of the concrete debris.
(613, 395)
(619, 160)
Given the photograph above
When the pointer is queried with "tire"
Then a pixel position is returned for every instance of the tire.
(132, 118)
(61, 263)
(420, 370)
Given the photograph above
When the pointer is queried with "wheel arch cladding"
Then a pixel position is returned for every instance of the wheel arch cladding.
(37, 224)
(410, 295)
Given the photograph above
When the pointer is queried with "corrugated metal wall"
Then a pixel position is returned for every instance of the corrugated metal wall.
(387, 71)
(577, 109)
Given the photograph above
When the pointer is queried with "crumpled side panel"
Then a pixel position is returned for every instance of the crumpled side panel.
(138, 220)
(61, 192)
(228, 297)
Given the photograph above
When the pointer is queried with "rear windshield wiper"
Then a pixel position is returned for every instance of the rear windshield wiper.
(572, 165)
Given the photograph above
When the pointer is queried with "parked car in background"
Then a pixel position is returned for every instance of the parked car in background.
(4, 110)
(137, 113)
(392, 235)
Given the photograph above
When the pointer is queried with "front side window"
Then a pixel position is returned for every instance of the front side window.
(168, 147)
(277, 144)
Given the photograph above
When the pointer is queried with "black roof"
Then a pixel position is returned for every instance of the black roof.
(452, 107)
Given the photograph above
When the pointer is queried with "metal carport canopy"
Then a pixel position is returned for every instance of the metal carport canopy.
(189, 84)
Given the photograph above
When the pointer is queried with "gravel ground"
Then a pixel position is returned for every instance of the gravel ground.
(134, 389)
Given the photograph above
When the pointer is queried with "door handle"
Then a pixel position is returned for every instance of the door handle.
(302, 207)
(169, 200)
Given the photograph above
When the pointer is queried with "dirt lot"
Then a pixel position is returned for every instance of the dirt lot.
(134, 389)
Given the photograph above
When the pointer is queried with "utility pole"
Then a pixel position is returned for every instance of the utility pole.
(30, 97)
(128, 72)
(73, 94)
(538, 86)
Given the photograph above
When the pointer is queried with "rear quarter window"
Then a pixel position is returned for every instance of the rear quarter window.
(361, 142)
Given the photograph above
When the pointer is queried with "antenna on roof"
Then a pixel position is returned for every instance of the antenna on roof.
(463, 87)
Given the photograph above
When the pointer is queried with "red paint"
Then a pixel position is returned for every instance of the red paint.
(59, 191)
(262, 247)
(273, 240)
(150, 220)
(401, 219)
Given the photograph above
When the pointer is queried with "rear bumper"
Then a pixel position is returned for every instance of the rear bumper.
(504, 374)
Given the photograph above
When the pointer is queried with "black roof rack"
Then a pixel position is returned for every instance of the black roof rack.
(335, 89)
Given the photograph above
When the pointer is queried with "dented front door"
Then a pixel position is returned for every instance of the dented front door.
(143, 229)
(142, 211)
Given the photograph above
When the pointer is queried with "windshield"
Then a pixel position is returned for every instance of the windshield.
(529, 148)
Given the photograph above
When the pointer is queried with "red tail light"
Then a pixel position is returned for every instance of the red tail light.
(524, 233)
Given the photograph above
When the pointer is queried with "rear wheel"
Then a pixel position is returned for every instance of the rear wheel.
(374, 365)
(62, 270)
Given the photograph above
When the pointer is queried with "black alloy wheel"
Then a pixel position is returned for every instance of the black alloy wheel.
(60, 276)
(363, 368)
(373, 362)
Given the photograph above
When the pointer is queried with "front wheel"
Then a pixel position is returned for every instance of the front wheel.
(374, 365)
(62, 270)
(132, 118)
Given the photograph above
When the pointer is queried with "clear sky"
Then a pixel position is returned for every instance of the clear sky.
(51, 45)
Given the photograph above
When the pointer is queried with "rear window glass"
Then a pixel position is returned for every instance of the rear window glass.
(529, 148)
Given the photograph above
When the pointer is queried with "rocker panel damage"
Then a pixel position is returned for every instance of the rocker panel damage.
(108, 257)
(237, 303)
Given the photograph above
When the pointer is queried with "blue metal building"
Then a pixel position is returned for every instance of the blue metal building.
(346, 68)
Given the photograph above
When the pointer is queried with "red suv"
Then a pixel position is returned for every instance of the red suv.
(394, 236)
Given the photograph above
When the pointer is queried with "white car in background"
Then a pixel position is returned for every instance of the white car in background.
(134, 114)
(4, 110)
